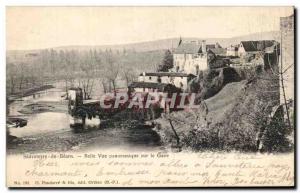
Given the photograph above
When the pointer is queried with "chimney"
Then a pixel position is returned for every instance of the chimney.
(203, 46)
(144, 78)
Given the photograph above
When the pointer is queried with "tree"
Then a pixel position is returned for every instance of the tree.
(88, 67)
(53, 60)
(128, 74)
(21, 73)
(112, 70)
(11, 71)
(68, 61)
(167, 62)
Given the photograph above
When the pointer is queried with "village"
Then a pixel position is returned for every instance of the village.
(189, 58)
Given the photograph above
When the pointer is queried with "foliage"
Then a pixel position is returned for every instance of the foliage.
(210, 82)
(249, 123)
(167, 62)
(275, 134)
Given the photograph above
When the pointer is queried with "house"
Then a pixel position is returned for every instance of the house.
(145, 87)
(247, 48)
(218, 51)
(191, 57)
(232, 50)
(213, 46)
(180, 80)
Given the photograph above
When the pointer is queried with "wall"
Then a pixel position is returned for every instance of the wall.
(231, 51)
(187, 62)
(142, 78)
(287, 31)
(241, 51)
(167, 80)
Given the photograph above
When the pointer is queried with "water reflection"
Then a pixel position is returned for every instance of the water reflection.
(50, 95)
(42, 123)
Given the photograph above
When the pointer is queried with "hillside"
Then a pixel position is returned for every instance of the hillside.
(159, 44)
(224, 101)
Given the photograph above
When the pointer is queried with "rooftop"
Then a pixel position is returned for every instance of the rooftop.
(218, 51)
(159, 86)
(253, 46)
(173, 74)
(188, 48)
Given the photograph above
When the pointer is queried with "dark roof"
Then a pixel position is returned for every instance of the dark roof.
(75, 88)
(219, 51)
(254, 46)
(210, 46)
(174, 74)
(159, 86)
(188, 48)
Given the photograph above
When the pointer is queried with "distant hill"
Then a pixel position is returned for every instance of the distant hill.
(162, 44)
(173, 42)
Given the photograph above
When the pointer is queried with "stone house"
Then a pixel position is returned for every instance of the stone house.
(248, 48)
(180, 80)
(191, 57)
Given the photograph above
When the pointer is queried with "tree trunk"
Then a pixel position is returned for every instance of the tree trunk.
(66, 87)
(176, 135)
(83, 121)
(104, 87)
(114, 86)
(283, 88)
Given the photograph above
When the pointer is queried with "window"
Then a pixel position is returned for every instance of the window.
(150, 77)
(197, 69)
(159, 79)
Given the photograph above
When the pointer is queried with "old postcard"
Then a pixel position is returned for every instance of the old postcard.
(150, 96)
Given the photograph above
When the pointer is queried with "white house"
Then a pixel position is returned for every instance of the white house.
(191, 57)
(232, 50)
(180, 80)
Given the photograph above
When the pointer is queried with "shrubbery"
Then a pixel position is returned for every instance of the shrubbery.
(255, 122)
(210, 82)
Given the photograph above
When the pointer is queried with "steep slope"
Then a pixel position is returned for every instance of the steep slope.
(219, 104)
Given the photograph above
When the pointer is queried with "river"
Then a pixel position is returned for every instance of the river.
(51, 131)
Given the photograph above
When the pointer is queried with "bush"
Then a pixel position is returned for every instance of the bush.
(210, 82)
(274, 138)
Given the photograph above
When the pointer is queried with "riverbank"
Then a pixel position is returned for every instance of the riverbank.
(27, 92)
(126, 135)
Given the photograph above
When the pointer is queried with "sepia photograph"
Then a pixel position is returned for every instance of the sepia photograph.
(174, 96)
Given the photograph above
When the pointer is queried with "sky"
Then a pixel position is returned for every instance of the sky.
(45, 27)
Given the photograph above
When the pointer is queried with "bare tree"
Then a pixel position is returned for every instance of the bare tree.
(86, 81)
(11, 76)
(128, 74)
(21, 73)
(112, 70)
